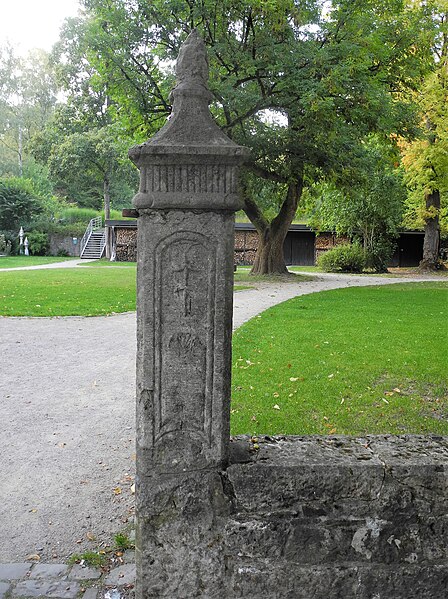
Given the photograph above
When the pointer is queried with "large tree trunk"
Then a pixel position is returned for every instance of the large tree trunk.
(431, 241)
(269, 258)
(106, 188)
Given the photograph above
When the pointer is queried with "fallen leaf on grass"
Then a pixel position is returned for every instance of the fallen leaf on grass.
(276, 407)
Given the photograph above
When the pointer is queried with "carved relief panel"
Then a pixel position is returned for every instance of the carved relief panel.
(184, 298)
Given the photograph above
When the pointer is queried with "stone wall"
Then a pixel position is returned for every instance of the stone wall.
(317, 517)
(64, 243)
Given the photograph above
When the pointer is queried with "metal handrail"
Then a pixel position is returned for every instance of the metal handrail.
(95, 223)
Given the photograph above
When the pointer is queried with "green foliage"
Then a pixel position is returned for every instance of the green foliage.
(89, 558)
(300, 83)
(5, 247)
(343, 258)
(62, 253)
(122, 541)
(425, 160)
(369, 208)
(39, 243)
(18, 203)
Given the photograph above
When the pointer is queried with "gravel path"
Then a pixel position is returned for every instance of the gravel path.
(64, 264)
(67, 422)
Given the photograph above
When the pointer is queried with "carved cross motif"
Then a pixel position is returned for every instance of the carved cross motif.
(187, 267)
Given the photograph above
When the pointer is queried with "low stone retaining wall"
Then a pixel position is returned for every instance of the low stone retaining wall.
(312, 517)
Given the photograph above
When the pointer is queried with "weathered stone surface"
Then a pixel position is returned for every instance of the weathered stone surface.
(121, 576)
(59, 589)
(14, 571)
(179, 536)
(90, 593)
(4, 588)
(79, 572)
(349, 581)
(188, 194)
(48, 570)
(184, 338)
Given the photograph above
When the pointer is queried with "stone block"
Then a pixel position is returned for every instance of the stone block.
(14, 571)
(121, 576)
(4, 588)
(48, 571)
(274, 580)
(90, 593)
(54, 589)
(79, 572)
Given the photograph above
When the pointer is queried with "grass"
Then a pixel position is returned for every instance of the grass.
(71, 292)
(19, 261)
(348, 361)
(89, 558)
(67, 292)
(106, 263)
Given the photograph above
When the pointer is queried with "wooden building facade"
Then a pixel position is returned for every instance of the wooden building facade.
(302, 245)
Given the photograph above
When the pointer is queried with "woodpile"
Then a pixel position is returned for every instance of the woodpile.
(126, 244)
(327, 241)
(246, 244)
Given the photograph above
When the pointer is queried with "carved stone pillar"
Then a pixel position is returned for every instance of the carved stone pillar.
(186, 203)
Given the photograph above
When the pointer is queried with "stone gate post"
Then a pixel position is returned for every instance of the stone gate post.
(186, 203)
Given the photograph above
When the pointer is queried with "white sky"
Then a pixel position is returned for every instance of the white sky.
(31, 24)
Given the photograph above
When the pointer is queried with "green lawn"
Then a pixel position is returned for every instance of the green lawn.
(349, 361)
(70, 292)
(67, 292)
(106, 263)
(18, 261)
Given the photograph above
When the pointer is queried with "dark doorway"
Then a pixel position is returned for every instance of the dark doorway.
(410, 249)
(298, 248)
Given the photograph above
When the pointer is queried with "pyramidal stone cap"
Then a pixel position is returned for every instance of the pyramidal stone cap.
(190, 163)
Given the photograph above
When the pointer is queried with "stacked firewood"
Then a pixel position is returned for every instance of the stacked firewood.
(246, 243)
(126, 245)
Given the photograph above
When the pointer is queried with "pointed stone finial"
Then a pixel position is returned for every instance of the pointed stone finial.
(192, 62)
(190, 162)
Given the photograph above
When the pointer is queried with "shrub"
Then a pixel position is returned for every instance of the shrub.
(343, 258)
(3, 244)
(379, 253)
(62, 253)
(11, 243)
(38, 243)
(18, 203)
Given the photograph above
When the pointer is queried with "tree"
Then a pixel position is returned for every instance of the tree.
(370, 210)
(27, 99)
(93, 156)
(426, 159)
(18, 203)
(301, 83)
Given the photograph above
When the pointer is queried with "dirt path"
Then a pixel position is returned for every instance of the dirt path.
(67, 423)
